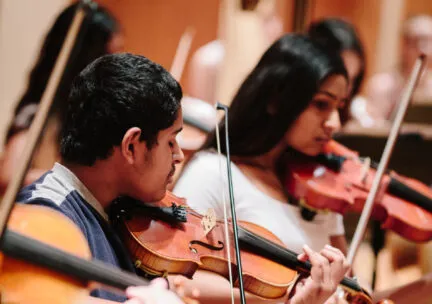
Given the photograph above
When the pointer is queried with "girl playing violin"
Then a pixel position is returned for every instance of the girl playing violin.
(289, 102)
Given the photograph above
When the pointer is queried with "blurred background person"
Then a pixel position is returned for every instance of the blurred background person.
(338, 35)
(257, 19)
(100, 35)
(384, 89)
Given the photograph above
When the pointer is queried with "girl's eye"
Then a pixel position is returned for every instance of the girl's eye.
(171, 144)
(322, 104)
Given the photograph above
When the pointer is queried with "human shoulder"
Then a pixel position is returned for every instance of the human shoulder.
(51, 192)
(208, 160)
(49, 187)
(200, 182)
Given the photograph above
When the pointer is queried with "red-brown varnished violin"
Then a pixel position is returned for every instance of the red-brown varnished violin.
(40, 265)
(168, 237)
(339, 180)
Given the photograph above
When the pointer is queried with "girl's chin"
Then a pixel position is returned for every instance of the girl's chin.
(313, 151)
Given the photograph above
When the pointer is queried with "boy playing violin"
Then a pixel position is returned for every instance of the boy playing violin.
(119, 139)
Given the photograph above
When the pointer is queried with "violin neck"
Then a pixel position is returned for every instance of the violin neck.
(403, 191)
(396, 187)
(20, 247)
(254, 243)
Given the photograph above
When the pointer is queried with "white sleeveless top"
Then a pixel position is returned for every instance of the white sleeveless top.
(202, 185)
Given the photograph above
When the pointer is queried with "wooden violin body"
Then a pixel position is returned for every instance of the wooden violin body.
(46, 259)
(160, 247)
(321, 187)
(24, 283)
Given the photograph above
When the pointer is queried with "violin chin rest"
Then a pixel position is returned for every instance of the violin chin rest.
(307, 214)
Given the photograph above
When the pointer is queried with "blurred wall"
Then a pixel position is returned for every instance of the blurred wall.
(414, 7)
(388, 42)
(153, 27)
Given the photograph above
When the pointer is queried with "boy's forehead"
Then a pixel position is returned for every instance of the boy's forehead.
(178, 122)
(177, 125)
(175, 128)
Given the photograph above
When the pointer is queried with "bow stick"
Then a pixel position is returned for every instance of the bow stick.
(177, 68)
(367, 209)
(224, 108)
(41, 116)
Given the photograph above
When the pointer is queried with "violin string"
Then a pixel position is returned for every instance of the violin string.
(346, 282)
(193, 212)
(227, 238)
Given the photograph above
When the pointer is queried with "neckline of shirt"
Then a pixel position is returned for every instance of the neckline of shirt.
(76, 184)
(245, 178)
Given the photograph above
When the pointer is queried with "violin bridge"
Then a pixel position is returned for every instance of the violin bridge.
(208, 221)
(365, 170)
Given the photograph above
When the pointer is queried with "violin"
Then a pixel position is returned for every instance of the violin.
(169, 237)
(339, 180)
(40, 265)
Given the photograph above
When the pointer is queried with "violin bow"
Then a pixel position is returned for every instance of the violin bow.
(41, 116)
(176, 71)
(382, 167)
(224, 108)
(182, 53)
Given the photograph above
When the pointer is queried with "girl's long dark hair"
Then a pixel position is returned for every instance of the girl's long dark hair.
(338, 35)
(275, 93)
(92, 42)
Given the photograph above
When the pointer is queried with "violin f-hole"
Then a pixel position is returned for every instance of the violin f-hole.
(208, 246)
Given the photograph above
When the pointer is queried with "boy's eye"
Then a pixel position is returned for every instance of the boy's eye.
(171, 144)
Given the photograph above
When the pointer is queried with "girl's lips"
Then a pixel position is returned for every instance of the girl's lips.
(323, 139)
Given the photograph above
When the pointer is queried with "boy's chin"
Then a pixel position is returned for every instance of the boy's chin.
(160, 194)
(153, 197)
